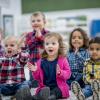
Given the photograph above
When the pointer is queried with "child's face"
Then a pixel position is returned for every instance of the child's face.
(51, 46)
(11, 48)
(77, 40)
(37, 22)
(94, 50)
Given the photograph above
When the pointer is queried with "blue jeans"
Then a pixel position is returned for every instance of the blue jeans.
(11, 89)
(87, 91)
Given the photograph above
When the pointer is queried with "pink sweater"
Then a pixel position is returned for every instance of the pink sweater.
(61, 79)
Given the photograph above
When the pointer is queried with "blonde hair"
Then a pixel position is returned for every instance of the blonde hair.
(12, 39)
(62, 48)
(37, 14)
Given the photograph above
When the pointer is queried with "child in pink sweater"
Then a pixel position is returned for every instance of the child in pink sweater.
(52, 70)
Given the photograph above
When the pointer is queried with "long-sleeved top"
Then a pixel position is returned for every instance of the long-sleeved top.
(76, 61)
(61, 78)
(34, 45)
(1, 51)
(12, 69)
(91, 70)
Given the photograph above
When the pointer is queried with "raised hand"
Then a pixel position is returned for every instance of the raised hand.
(38, 32)
(31, 66)
(58, 70)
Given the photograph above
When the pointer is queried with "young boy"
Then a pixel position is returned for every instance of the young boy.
(91, 74)
(34, 39)
(12, 77)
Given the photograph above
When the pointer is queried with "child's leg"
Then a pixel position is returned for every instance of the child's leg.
(76, 89)
(43, 94)
(23, 92)
(55, 93)
(96, 89)
(87, 91)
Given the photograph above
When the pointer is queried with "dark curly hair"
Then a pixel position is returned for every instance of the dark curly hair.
(85, 38)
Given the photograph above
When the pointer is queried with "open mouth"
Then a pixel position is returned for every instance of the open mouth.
(50, 50)
(9, 51)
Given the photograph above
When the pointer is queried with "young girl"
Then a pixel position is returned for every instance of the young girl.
(52, 70)
(77, 54)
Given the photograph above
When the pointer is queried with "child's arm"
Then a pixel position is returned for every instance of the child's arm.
(65, 71)
(32, 67)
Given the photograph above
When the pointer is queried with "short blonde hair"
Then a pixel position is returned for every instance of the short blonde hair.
(37, 13)
(12, 39)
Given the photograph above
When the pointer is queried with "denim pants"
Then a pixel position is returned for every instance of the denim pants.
(87, 91)
(11, 89)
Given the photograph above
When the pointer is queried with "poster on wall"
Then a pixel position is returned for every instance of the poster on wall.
(8, 24)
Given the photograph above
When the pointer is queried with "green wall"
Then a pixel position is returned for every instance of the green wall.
(29, 6)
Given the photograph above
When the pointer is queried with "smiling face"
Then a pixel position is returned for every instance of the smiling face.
(11, 47)
(77, 39)
(51, 45)
(38, 22)
(94, 50)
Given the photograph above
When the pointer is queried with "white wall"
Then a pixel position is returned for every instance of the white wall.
(13, 7)
(90, 13)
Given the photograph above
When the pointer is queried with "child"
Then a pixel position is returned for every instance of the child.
(77, 54)
(34, 39)
(91, 73)
(52, 70)
(12, 77)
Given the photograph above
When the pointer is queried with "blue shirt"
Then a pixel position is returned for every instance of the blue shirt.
(76, 61)
(49, 69)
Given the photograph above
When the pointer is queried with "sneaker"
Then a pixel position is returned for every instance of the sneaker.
(23, 94)
(95, 96)
(95, 86)
(76, 89)
(81, 97)
(44, 93)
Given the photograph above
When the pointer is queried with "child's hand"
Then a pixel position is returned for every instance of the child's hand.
(76, 50)
(58, 70)
(31, 66)
(38, 32)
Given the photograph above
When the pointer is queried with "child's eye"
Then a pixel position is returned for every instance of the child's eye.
(12, 45)
(6, 45)
(33, 21)
(38, 20)
(53, 43)
(98, 49)
(80, 37)
(46, 43)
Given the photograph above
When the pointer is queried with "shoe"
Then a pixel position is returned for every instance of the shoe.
(81, 97)
(44, 93)
(95, 85)
(23, 94)
(95, 96)
(76, 89)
